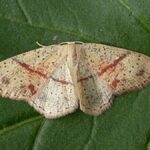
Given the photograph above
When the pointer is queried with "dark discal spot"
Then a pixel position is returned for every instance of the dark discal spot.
(84, 89)
(32, 89)
(22, 86)
(108, 80)
(140, 72)
(139, 57)
(103, 48)
(41, 108)
(115, 83)
(23, 90)
(53, 63)
(24, 54)
(91, 61)
(5, 80)
(132, 66)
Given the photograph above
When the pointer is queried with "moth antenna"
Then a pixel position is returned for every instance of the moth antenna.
(79, 42)
(74, 42)
(41, 45)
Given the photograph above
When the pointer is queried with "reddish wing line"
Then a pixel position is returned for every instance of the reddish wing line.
(85, 78)
(31, 70)
(61, 81)
(28, 68)
(114, 64)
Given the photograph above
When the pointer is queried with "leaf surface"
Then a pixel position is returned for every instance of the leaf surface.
(121, 23)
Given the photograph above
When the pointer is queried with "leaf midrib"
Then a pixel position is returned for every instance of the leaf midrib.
(19, 124)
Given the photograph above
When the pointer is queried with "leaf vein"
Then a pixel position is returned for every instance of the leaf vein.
(73, 14)
(24, 11)
(38, 135)
(92, 134)
(18, 125)
(82, 35)
(144, 25)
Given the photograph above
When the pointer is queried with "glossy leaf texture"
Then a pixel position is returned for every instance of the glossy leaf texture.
(120, 23)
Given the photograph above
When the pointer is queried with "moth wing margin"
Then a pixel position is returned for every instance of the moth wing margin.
(121, 69)
(23, 75)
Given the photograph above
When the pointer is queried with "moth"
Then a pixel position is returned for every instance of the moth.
(57, 79)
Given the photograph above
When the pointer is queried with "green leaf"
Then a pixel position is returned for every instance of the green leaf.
(122, 23)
